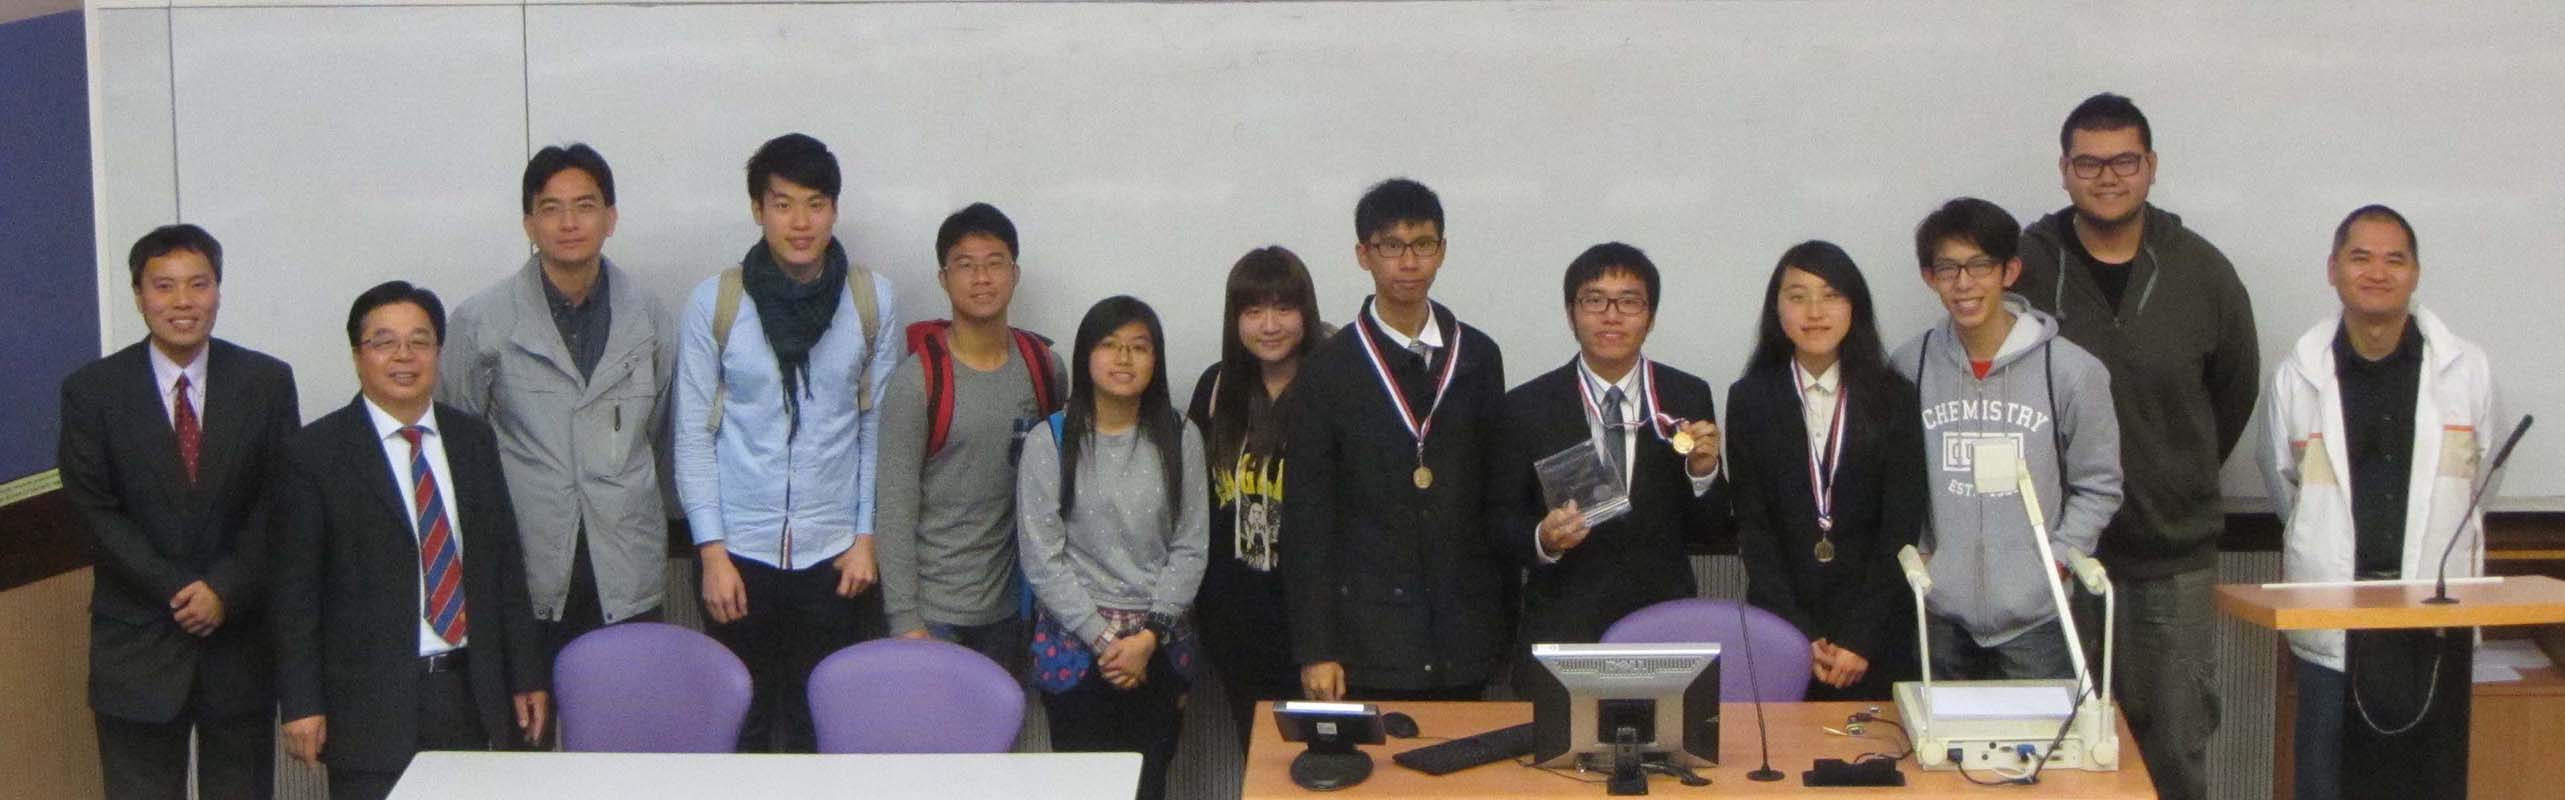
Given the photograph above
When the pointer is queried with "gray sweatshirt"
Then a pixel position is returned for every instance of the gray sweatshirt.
(1123, 548)
(945, 526)
(1984, 563)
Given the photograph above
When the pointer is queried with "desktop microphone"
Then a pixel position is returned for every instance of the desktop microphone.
(1762, 734)
(2440, 596)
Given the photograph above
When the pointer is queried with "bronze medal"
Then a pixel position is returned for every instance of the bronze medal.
(1424, 477)
(1825, 550)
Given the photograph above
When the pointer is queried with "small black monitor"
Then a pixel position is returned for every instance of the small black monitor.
(1588, 698)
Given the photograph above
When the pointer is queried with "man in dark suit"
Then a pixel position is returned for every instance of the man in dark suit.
(1651, 426)
(168, 449)
(401, 616)
(1394, 593)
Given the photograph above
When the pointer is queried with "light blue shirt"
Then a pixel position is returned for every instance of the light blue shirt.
(771, 496)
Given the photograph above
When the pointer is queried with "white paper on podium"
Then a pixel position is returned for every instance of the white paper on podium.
(2001, 702)
(2517, 654)
(2494, 673)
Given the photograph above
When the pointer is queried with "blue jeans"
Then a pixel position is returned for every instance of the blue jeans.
(2039, 653)
(2323, 696)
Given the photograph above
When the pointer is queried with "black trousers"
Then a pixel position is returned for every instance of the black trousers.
(2418, 683)
(236, 757)
(795, 618)
(448, 720)
(1243, 692)
(1095, 717)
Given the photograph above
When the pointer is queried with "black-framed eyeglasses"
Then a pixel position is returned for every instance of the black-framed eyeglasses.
(388, 346)
(1628, 304)
(2123, 165)
(1392, 248)
(1980, 268)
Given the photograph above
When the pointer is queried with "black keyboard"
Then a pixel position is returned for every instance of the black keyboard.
(1502, 744)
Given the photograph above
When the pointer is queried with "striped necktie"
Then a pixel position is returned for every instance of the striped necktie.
(440, 561)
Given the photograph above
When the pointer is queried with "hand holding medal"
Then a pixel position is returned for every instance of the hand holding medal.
(1697, 441)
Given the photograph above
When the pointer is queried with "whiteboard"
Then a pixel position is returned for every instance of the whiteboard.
(1142, 147)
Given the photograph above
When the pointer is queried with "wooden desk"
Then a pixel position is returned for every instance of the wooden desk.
(1797, 739)
(2516, 600)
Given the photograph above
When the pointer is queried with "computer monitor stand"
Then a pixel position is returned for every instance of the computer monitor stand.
(1330, 764)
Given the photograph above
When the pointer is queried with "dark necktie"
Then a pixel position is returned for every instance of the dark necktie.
(191, 435)
(1612, 425)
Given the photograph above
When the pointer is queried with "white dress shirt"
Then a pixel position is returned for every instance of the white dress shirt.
(165, 372)
(1820, 393)
(397, 450)
(1432, 335)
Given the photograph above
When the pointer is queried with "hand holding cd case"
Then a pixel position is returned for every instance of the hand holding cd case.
(1579, 473)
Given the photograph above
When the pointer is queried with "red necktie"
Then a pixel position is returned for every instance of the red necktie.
(440, 562)
(190, 435)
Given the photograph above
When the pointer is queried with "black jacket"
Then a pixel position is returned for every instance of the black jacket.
(1627, 563)
(1860, 600)
(347, 597)
(153, 533)
(2185, 371)
(1395, 583)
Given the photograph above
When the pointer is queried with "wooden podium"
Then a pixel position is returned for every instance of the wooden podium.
(2377, 605)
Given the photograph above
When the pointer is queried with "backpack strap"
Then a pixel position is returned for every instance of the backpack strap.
(1059, 421)
(725, 312)
(868, 310)
(1036, 352)
(2056, 433)
(926, 339)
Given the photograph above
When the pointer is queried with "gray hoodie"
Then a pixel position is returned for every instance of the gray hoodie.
(1984, 563)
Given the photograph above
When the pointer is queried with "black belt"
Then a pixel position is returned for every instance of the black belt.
(449, 661)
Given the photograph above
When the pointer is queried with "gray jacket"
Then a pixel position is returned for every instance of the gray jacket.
(576, 452)
(1985, 565)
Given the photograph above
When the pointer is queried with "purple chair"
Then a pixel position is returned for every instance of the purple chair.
(914, 696)
(648, 687)
(1779, 659)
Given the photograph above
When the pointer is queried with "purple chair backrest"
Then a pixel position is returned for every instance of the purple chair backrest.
(648, 687)
(914, 696)
(1779, 659)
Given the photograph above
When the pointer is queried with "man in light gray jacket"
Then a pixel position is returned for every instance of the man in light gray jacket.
(1995, 372)
(569, 360)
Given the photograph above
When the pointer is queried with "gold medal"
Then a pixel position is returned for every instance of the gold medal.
(1825, 550)
(1683, 443)
(1424, 477)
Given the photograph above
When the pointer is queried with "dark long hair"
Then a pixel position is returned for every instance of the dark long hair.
(1247, 420)
(1158, 421)
(1864, 369)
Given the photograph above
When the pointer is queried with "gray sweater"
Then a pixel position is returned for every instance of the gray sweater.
(1985, 565)
(945, 526)
(1123, 548)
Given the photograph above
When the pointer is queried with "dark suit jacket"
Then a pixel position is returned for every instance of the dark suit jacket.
(1395, 583)
(347, 597)
(1860, 600)
(1626, 563)
(154, 534)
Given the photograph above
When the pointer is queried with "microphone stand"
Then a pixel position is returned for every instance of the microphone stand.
(2440, 593)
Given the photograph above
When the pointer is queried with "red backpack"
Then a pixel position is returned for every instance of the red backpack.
(926, 341)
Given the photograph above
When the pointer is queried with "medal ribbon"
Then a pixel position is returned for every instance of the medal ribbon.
(1821, 484)
(1416, 426)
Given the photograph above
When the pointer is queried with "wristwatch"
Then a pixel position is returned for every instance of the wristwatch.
(1163, 624)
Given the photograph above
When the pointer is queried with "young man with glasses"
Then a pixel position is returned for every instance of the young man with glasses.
(953, 419)
(1995, 373)
(2164, 310)
(1395, 591)
(1654, 426)
(569, 357)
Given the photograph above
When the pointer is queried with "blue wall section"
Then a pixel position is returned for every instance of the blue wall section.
(49, 308)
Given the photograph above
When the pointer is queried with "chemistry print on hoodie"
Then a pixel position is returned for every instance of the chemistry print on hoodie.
(2052, 401)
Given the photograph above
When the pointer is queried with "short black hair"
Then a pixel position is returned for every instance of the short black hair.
(1970, 220)
(387, 293)
(976, 219)
(1604, 259)
(2342, 232)
(168, 239)
(794, 157)
(1394, 201)
(552, 159)
(2105, 112)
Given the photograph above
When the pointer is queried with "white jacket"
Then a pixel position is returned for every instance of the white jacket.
(2305, 462)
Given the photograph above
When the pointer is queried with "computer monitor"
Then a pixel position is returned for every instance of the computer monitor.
(1585, 696)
